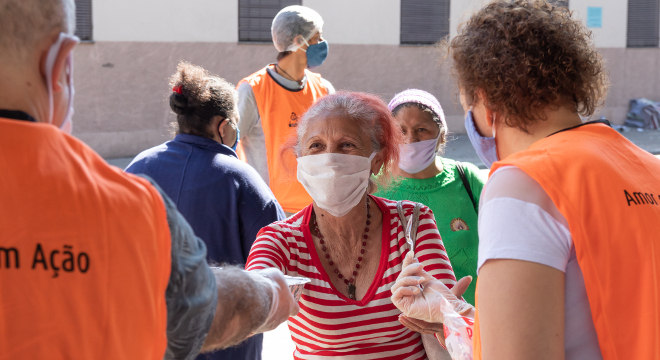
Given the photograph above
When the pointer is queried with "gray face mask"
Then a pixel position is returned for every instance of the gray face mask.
(484, 146)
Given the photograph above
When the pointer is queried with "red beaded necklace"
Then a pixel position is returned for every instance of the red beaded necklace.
(350, 282)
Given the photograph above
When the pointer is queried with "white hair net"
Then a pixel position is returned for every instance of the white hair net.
(291, 22)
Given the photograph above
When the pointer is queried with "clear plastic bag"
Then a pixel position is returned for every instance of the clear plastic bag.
(458, 333)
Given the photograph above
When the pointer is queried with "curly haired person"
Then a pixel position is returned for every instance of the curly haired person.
(570, 216)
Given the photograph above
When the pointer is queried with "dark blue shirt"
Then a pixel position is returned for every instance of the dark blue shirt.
(225, 201)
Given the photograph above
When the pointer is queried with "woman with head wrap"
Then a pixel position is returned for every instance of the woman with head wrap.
(448, 187)
(569, 218)
(349, 243)
(271, 100)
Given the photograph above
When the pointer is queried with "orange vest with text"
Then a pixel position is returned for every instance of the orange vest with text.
(280, 110)
(84, 253)
(608, 190)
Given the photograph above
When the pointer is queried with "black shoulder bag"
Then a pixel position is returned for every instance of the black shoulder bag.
(466, 184)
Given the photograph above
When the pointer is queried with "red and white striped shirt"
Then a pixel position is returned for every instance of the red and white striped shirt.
(330, 325)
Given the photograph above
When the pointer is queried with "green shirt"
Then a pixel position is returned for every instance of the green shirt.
(453, 210)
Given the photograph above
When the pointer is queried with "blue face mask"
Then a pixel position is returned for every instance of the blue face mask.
(484, 146)
(317, 53)
(238, 137)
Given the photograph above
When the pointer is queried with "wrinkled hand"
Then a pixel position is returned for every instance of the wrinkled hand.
(420, 326)
(421, 296)
(283, 305)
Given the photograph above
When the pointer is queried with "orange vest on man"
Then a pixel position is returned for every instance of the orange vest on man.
(85, 252)
(608, 190)
(280, 110)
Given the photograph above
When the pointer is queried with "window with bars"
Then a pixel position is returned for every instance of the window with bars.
(256, 16)
(643, 19)
(84, 20)
(424, 21)
(563, 3)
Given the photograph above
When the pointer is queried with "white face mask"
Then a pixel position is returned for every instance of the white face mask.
(417, 156)
(67, 123)
(336, 182)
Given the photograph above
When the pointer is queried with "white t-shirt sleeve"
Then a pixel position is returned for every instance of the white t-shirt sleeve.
(252, 136)
(518, 221)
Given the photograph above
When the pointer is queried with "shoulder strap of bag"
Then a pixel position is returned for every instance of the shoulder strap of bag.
(466, 185)
(414, 217)
(434, 351)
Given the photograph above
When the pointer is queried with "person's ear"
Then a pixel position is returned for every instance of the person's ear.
(442, 140)
(299, 40)
(482, 100)
(466, 103)
(490, 116)
(222, 125)
(59, 75)
(377, 163)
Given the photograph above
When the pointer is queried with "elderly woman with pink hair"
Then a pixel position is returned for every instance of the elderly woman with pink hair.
(349, 243)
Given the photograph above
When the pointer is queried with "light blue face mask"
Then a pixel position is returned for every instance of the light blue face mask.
(484, 146)
(317, 53)
(238, 137)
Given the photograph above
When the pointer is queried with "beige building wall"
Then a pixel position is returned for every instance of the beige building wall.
(122, 78)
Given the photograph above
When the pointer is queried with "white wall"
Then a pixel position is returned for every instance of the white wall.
(346, 21)
(374, 22)
(460, 11)
(166, 20)
(369, 22)
(612, 34)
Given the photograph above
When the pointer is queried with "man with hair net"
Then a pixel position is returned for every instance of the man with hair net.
(271, 100)
(97, 263)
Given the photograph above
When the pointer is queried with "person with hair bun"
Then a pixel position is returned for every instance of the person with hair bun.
(569, 219)
(272, 100)
(348, 243)
(224, 200)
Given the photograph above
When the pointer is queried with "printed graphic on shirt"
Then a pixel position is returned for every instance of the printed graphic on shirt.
(640, 198)
(293, 120)
(458, 224)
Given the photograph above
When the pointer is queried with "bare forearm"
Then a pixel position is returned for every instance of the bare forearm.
(243, 305)
(525, 301)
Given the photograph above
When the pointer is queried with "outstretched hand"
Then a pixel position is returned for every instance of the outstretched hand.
(283, 305)
(421, 296)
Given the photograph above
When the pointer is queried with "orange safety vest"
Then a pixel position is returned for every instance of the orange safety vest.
(608, 190)
(280, 110)
(85, 252)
